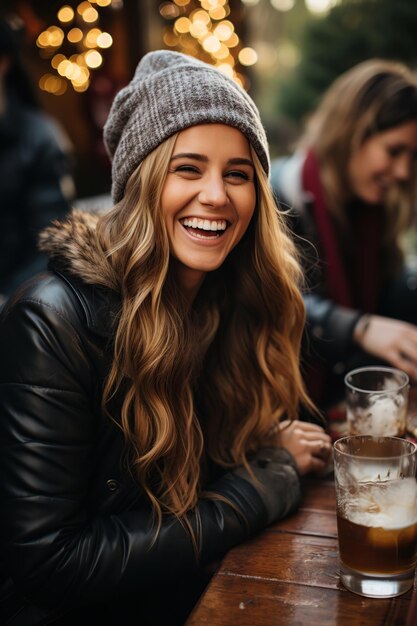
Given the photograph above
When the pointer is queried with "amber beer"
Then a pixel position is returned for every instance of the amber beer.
(377, 527)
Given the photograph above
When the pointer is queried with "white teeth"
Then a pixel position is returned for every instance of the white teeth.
(214, 225)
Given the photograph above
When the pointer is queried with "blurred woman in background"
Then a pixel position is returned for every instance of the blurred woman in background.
(351, 187)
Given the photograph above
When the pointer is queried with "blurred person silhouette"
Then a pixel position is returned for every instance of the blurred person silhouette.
(351, 189)
(35, 184)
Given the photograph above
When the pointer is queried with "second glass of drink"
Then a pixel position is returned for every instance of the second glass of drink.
(376, 495)
(377, 401)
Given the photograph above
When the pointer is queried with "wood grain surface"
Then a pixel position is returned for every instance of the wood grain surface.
(289, 576)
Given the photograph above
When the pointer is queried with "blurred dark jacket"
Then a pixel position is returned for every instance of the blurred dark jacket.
(33, 173)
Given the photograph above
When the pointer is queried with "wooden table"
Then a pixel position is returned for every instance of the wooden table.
(289, 576)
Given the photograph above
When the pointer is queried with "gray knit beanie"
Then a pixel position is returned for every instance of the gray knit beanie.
(169, 92)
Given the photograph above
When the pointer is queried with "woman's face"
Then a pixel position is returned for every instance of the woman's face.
(383, 160)
(208, 199)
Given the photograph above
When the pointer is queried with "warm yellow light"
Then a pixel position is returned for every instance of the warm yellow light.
(224, 31)
(226, 25)
(82, 77)
(43, 40)
(208, 5)
(222, 53)
(225, 69)
(93, 58)
(56, 36)
(83, 6)
(52, 84)
(104, 40)
(319, 6)
(42, 81)
(90, 15)
(50, 38)
(200, 16)
(211, 44)
(75, 35)
(81, 87)
(198, 29)
(219, 13)
(90, 40)
(230, 60)
(170, 38)
(69, 69)
(65, 14)
(56, 60)
(233, 41)
(103, 3)
(182, 3)
(169, 10)
(63, 67)
(248, 56)
(182, 25)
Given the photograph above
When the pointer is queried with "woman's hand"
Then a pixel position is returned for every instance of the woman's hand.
(388, 339)
(308, 443)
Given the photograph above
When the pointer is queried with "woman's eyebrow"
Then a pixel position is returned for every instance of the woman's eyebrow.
(241, 161)
(204, 159)
(190, 155)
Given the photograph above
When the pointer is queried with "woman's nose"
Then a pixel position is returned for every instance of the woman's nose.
(213, 191)
(402, 168)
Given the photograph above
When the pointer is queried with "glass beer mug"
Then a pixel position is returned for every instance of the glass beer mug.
(376, 496)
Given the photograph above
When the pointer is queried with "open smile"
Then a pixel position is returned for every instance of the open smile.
(204, 228)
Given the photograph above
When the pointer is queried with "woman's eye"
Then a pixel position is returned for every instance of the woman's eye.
(189, 169)
(236, 174)
(394, 152)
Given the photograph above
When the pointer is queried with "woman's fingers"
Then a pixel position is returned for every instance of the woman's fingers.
(318, 448)
(305, 426)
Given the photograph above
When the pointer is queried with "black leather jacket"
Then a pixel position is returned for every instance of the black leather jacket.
(75, 527)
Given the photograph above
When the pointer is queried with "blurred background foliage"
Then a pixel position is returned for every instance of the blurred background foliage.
(351, 32)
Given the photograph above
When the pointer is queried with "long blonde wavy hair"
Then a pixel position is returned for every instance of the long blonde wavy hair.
(372, 97)
(205, 383)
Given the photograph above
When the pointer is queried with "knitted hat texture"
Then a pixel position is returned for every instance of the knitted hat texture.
(169, 92)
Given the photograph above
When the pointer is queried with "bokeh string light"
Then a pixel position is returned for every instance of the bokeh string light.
(78, 32)
(205, 29)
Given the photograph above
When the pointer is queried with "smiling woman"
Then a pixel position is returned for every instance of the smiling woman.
(205, 195)
(149, 379)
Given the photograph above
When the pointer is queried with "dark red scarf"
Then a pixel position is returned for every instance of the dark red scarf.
(358, 289)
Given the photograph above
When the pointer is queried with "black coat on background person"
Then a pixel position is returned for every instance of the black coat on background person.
(33, 174)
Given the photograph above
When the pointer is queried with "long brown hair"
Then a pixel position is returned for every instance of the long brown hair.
(211, 380)
(372, 97)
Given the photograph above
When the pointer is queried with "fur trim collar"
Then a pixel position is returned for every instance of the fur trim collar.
(73, 247)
